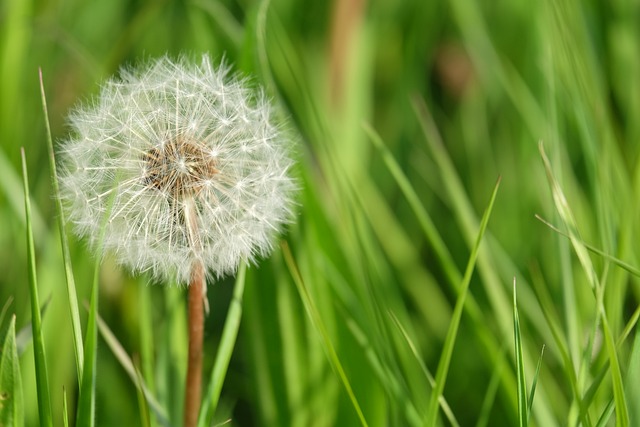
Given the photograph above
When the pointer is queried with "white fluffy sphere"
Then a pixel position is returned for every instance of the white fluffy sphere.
(181, 163)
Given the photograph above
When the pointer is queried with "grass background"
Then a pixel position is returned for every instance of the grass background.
(408, 112)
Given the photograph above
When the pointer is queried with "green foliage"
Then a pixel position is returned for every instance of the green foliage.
(42, 378)
(406, 114)
(11, 403)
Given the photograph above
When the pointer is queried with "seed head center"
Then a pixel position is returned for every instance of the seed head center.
(180, 167)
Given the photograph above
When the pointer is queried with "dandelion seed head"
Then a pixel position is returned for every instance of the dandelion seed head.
(188, 163)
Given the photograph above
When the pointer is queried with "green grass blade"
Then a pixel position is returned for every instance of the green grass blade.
(145, 418)
(622, 410)
(87, 398)
(428, 227)
(425, 370)
(603, 421)
(224, 19)
(146, 338)
(227, 344)
(490, 394)
(534, 384)
(384, 372)
(447, 352)
(562, 206)
(11, 400)
(24, 336)
(11, 188)
(546, 302)
(4, 310)
(65, 408)
(625, 266)
(42, 378)
(126, 362)
(523, 414)
(316, 319)
(68, 271)
(632, 383)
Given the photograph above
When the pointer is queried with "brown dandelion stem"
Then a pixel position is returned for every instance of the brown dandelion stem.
(193, 388)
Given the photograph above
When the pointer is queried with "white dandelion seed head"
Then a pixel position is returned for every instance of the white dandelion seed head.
(188, 163)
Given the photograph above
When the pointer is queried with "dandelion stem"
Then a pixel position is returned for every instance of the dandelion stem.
(196, 332)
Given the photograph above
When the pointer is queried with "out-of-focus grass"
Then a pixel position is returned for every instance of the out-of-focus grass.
(453, 95)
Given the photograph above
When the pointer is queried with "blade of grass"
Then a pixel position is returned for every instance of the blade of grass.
(534, 384)
(11, 186)
(42, 379)
(25, 335)
(145, 419)
(87, 396)
(126, 362)
(414, 350)
(606, 414)
(68, 271)
(386, 376)
(632, 384)
(65, 408)
(5, 307)
(546, 303)
(11, 400)
(316, 319)
(562, 206)
(447, 351)
(625, 266)
(224, 19)
(490, 394)
(428, 227)
(227, 344)
(523, 410)
(146, 337)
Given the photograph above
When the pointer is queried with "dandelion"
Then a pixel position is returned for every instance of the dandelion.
(186, 168)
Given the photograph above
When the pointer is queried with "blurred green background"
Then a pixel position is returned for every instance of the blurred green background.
(460, 92)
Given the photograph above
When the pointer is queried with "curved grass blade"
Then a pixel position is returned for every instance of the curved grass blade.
(447, 351)
(126, 362)
(11, 400)
(224, 19)
(87, 398)
(66, 257)
(42, 380)
(11, 188)
(414, 350)
(427, 225)
(604, 419)
(625, 266)
(562, 206)
(24, 336)
(532, 393)
(316, 319)
(545, 302)
(490, 394)
(227, 343)
(523, 410)
(145, 418)
(632, 388)
(65, 408)
(5, 307)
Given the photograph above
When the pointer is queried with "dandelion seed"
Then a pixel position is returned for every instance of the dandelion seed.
(193, 162)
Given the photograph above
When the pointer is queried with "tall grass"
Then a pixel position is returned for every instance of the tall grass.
(390, 300)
